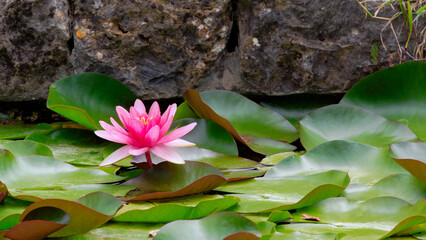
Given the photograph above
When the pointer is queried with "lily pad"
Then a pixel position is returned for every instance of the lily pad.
(376, 218)
(241, 174)
(167, 180)
(274, 216)
(395, 185)
(119, 231)
(10, 211)
(27, 148)
(195, 153)
(343, 122)
(207, 134)
(395, 93)
(216, 226)
(20, 131)
(285, 193)
(412, 157)
(296, 106)
(87, 98)
(35, 229)
(41, 174)
(261, 129)
(75, 146)
(364, 163)
(185, 208)
(86, 213)
(184, 111)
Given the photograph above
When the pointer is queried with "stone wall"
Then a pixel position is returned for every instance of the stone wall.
(159, 48)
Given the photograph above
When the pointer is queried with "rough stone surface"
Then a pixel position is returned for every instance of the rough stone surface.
(159, 48)
(33, 47)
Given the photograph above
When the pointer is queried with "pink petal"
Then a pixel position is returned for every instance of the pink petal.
(168, 119)
(105, 135)
(116, 156)
(123, 115)
(154, 111)
(152, 136)
(177, 133)
(114, 137)
(107, 126)
(134, 114)
(136, 152)
(169, 113)
(167, 153)
(140, 107)
(179, 143)
(117, 126)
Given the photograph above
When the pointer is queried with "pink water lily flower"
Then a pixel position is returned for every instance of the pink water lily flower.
(145, 133)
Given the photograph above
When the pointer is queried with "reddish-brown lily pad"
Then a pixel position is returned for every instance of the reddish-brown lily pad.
(411, 156)
(84, 214)
(168, 180)
(34, 229)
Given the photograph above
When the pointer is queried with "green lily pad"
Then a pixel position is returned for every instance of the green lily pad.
(216, 226)
(167, 180)
(412, 157)
(73, 192)
(75, 146)
(39, 174)
(268, 194)
(274, 216)
(27, 148)
(87, 98)
(376, 218)
(364, 163)
(395, 185)
(20, 131)
(10, 211)
(185, 208)
(207, 134)
(343, 122)
(288, 234)
(119, 231)
(184, 111)
(241, 174)
(261, 129)
(276, 158)
(395, 93)
(296, 106)
(197, 154)
(86, 213)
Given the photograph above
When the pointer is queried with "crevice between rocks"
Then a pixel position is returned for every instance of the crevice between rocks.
(70, 42)
(232, 43)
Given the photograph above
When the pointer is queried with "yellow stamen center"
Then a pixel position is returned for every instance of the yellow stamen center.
(144, 120)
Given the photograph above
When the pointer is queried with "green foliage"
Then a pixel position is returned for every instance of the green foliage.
(361, 174)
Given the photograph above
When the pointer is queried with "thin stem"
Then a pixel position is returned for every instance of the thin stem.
(148, 159)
